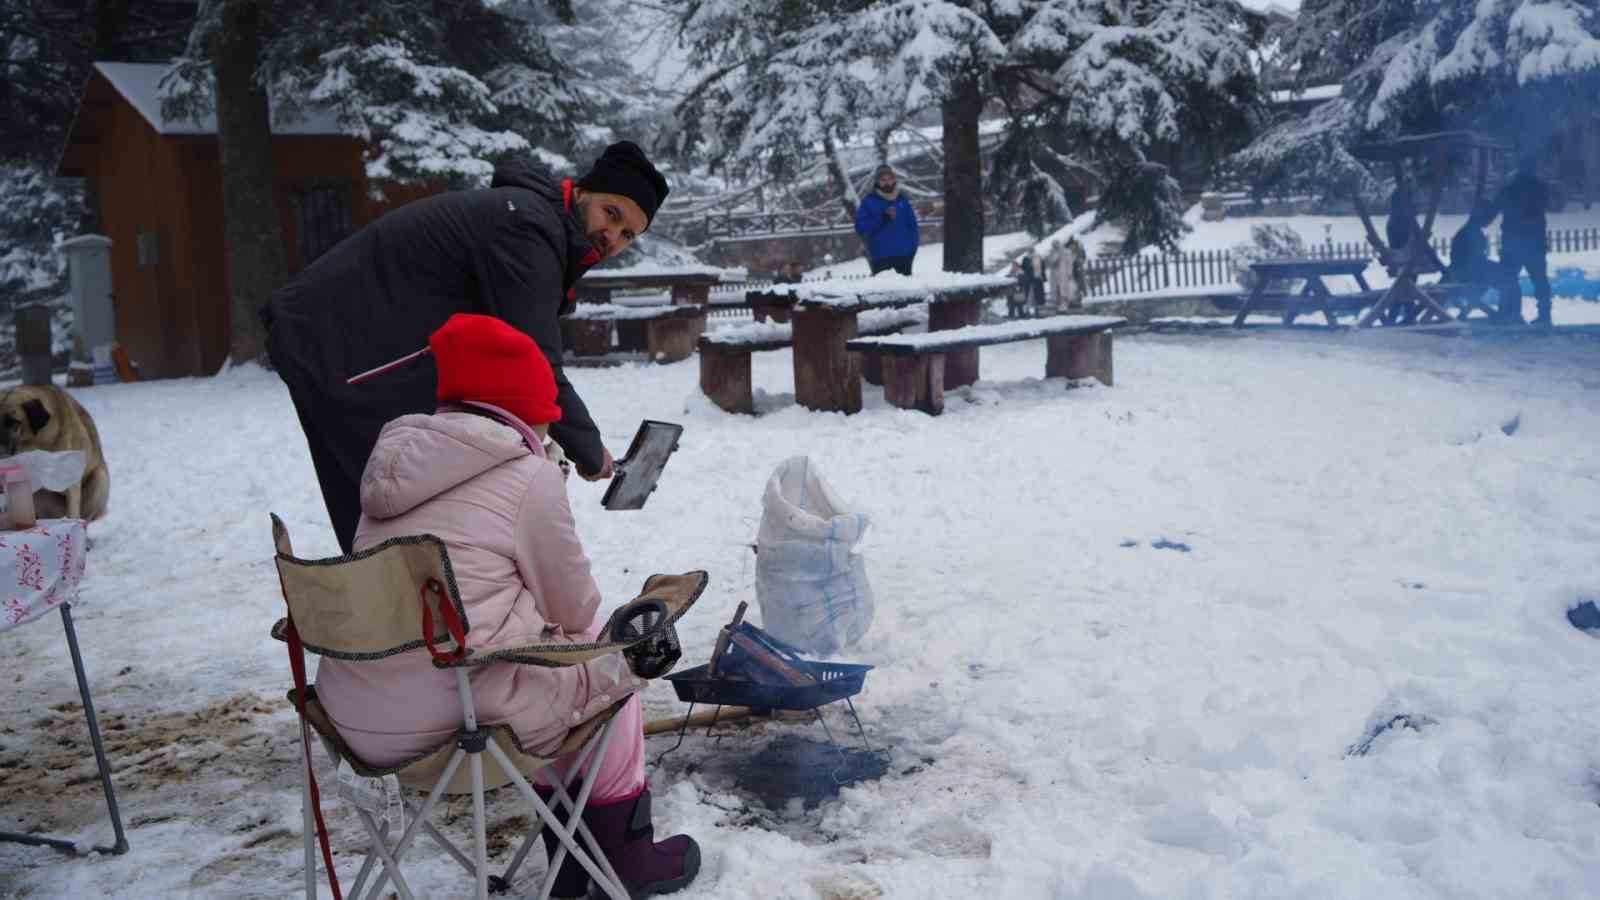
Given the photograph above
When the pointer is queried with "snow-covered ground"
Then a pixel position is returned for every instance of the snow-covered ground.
(1126, 637)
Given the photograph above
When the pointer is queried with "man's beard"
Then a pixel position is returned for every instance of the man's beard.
(580, 209)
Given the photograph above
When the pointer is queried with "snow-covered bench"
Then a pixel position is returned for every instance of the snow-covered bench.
(665, 333)
(725, 353)
(913, 364)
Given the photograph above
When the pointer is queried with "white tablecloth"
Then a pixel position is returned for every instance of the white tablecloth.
(40, 568)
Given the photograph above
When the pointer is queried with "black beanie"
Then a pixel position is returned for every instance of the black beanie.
(623, 169)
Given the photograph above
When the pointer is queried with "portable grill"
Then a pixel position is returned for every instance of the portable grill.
(753, 669)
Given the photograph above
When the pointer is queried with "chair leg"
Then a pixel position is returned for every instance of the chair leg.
(522, 855)
(309, 826)
(606, 880)
(391, 866)
(421, 817)
(480, 838)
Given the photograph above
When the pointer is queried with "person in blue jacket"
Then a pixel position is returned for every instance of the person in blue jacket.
(886, 221)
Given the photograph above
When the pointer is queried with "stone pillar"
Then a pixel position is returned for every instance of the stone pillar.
(89, 269)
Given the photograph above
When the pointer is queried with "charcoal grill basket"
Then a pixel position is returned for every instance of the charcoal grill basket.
(835, 681)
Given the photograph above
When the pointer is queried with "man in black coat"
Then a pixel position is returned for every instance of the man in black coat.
(1522, 203)
(512, 251)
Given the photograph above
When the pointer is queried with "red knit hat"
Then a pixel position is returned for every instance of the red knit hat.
(483, 359)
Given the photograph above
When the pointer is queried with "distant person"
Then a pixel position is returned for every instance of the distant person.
(1063, 263)
(1522, 204)
(1470, 262)
(1080, 271)
(1031, 288)
(1017, 298)
(1040, 281)
(886, 221)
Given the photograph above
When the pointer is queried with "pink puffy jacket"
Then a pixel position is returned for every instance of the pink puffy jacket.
(501, 508)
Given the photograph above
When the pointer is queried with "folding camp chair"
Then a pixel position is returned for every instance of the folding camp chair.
(387, 600)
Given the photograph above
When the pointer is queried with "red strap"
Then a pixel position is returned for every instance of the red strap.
(452, 623)
(297, 664)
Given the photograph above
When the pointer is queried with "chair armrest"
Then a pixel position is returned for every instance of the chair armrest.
(678, 592)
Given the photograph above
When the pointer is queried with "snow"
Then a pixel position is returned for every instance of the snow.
(766, 332)
(140, 85)
(1023, 329)
(1070, 711)
(620, 311)
(1315, 92)
(1068, 716)
(889, 286)
(652, 269)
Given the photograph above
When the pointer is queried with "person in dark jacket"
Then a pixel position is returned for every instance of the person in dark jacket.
(1522, 204)
(1470, 262)
(886, 221)
(1402, 219)
(512, 251)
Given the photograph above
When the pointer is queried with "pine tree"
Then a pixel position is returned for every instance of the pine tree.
(1086, 86)
(49, 47)
(1509, 68)
(438, 90)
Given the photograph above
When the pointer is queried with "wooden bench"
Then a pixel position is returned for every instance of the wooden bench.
(913, 364)
(665, 333)
(725, 354)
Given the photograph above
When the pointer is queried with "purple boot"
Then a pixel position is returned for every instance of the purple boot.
(625, 832)
(572, 882)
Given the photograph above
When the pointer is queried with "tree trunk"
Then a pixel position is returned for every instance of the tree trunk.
(255, 254)
(840, 176)
(963, 179)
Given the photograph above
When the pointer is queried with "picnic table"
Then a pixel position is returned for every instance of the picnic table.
(1405, 301)
(823, 314)
(666, 333)
(1315, 293)
(690, 285)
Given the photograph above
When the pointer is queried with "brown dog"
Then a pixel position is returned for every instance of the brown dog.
(44, 417)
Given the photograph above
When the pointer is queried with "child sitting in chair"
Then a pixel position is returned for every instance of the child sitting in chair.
(476, 474)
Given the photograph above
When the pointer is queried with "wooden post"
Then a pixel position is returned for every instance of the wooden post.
(691, 294)
(1079, 356)
(590, 337)
(633, 335)
(725, 378)
(960, 366)
(672, 338)
(827, 377)
(915, 381)
(33, 342)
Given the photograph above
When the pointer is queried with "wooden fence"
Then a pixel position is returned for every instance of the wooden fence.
(1152, 272)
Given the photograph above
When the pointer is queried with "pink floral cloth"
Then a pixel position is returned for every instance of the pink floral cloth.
(40, 568)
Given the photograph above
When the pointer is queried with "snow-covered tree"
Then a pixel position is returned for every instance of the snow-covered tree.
(1511, 68)
(1092, 86)
(46, 50)
(438, 89)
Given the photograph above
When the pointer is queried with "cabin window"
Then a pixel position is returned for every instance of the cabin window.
(322, 219)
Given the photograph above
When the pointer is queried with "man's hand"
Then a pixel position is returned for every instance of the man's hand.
(607, 469)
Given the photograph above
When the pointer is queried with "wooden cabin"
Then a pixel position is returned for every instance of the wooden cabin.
(156, 187)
